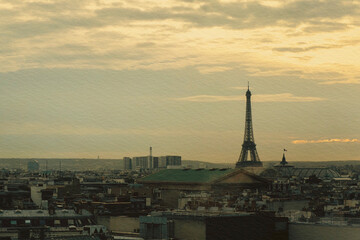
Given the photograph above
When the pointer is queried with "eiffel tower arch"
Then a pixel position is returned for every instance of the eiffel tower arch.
(248, 156)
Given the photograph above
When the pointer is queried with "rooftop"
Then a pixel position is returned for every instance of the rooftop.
(41, 213)
(318, 172)
(188, 175)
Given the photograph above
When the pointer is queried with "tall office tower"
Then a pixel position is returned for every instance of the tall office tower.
(141, 162)
(169, 160)
(150, 163)
(127, 163)
(155, 162)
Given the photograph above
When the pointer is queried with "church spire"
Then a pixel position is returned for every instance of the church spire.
(283, 161)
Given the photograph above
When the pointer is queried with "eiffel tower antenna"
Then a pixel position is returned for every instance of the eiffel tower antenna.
(249, 146)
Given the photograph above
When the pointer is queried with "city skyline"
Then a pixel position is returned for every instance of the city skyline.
(111, 78)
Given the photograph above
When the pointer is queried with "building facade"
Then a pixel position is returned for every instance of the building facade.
(170, 184)
(127, 163)
(169, 160)
(206, 226)
(144, 162)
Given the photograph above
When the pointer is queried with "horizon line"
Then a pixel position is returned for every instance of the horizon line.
(72, 158)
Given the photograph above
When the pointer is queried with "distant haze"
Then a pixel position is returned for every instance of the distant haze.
(77, 164)
(81, 78)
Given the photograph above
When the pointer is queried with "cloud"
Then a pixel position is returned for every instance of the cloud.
(324, 74)
(223, 35)
(340, 44)
(305, 49)
(212, 69)
(239, 15)
(54, 16)
(341, 81)
(282, 97)
(315, 27)
(254, 14)
(145, 44)
(332, 140)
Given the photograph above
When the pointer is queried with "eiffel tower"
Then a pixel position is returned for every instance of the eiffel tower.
(249, 146)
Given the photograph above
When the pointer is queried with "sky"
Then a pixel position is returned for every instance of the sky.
(109, 78)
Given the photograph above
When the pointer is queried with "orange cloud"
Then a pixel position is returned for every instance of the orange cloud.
(344, 140)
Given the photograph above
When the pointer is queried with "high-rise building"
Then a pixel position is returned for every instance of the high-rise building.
(33, 166)
(155, 162)
(249, 146)
(169, 160)
(143, 162)
(127, 163)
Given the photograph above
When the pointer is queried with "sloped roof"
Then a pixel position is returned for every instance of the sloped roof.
(318, 172)
(285, 171)
(188, 175)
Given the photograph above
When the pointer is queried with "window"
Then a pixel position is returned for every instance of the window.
(49, 222)
(84, 222)
(57, 222)
(64, 223)
(78, 223)
(35, 222)
(27, 222)
(13, 222)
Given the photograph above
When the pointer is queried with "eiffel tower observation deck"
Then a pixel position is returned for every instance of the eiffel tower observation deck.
(248, 156)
